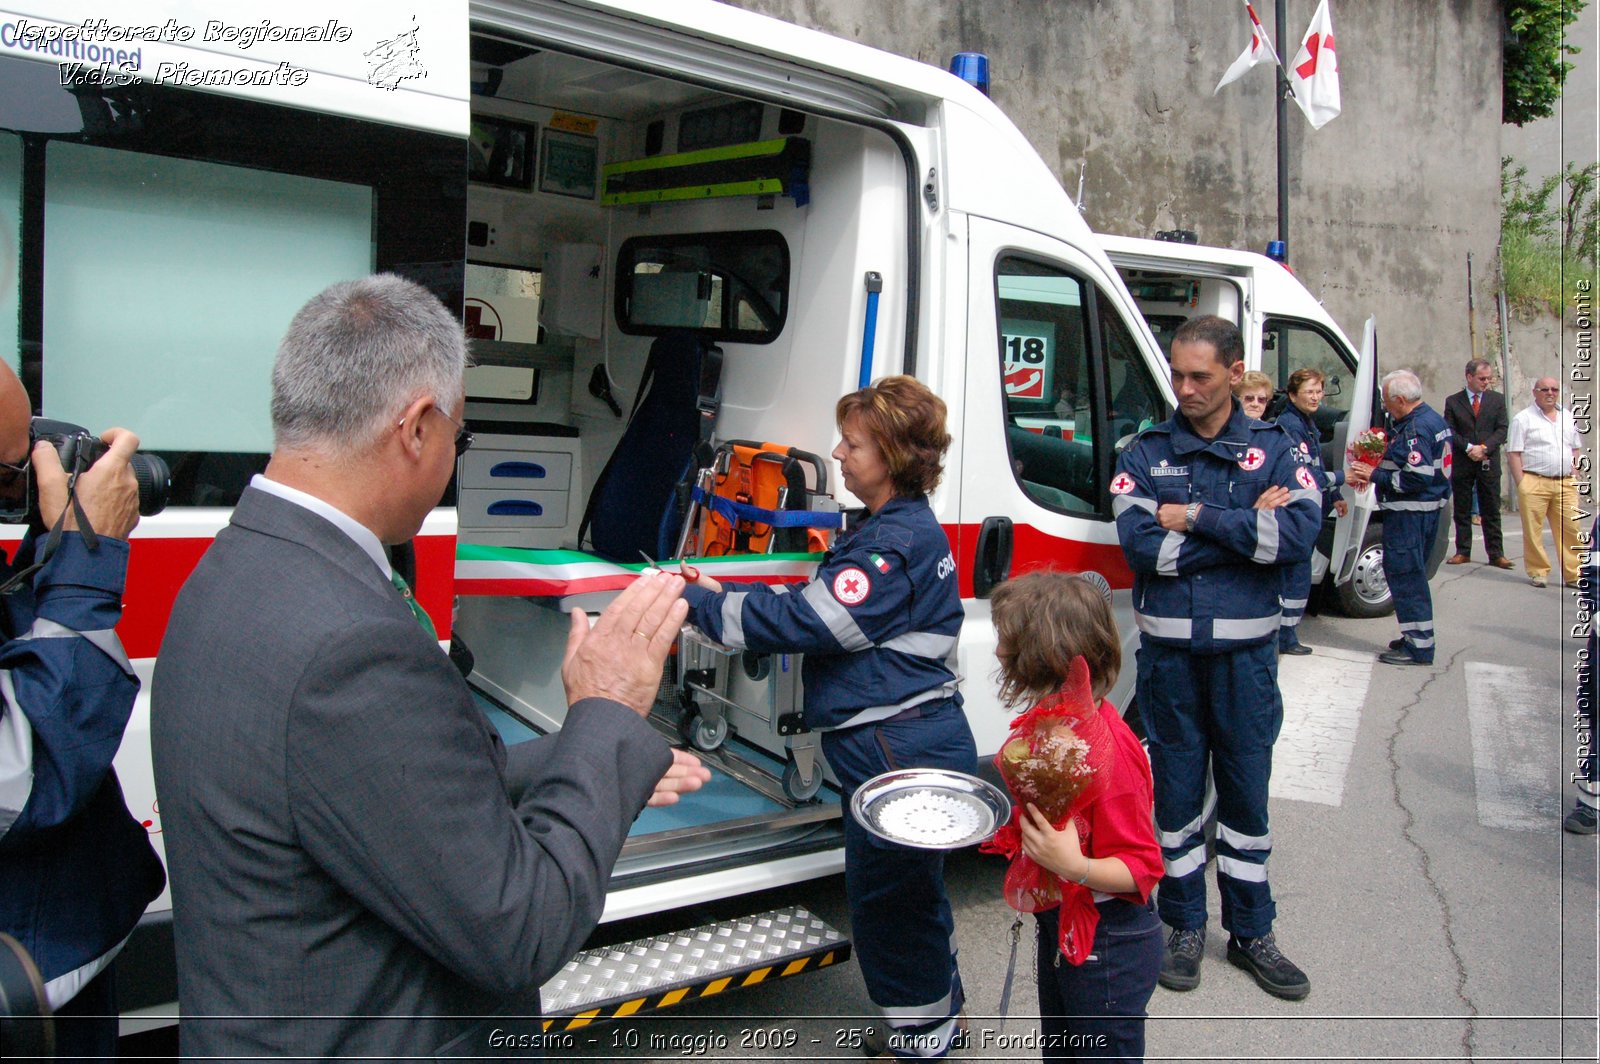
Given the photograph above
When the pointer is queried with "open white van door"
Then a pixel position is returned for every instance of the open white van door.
(1357, 552)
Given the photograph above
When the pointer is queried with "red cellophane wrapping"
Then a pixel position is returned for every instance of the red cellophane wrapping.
(1055, 758)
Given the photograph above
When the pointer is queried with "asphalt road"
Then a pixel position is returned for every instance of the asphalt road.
(1425, 885)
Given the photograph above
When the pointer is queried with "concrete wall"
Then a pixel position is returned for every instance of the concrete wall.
(1386, 200)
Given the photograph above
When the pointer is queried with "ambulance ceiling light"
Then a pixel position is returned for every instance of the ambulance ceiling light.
(972, 68)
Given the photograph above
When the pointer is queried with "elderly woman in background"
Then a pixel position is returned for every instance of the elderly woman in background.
(1254, 392)
(878, 625)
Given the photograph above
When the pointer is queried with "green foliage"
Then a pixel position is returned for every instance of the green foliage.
(1549, 232)
(1534, 57)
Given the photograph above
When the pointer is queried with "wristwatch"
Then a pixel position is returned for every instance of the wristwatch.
(1190, 512)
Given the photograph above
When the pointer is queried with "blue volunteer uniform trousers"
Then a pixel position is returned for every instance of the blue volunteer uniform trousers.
(1407, 537)
(900, 918)
(1294, 592)
(1221, 710)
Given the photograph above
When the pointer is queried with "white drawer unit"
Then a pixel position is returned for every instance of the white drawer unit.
(516, 491)
(544, 470)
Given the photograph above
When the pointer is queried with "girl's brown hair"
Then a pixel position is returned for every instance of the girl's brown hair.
(1046, 619)
(907, 422)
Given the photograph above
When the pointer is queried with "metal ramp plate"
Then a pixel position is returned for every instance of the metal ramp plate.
(656, 973)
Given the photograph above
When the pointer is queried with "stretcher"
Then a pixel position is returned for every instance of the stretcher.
(754, 499)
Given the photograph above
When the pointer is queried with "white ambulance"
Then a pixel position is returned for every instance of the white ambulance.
(580, 177)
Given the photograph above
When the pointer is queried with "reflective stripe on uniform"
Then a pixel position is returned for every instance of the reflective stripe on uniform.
(1173, 839)
(733, 619)
(1179, 867)
(877, 713)
(1124, 502)
(1245, 627)
(923, 645)
(1266, 536)
(1248, 871)
(840, 624)
(105, 639)
(1240, 841)
(16, 756)
(1414, 504)
(1165, 627)
(1167, 557)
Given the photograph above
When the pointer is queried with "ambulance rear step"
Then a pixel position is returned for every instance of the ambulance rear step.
(613, 982)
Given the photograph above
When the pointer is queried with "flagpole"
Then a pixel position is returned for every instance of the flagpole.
(1283, 128)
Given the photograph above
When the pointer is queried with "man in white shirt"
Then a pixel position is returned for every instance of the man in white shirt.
(1542, 450)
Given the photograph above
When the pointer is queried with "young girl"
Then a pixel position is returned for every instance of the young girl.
(1087, 867)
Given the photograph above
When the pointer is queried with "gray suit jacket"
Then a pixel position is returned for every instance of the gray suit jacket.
(359, 866)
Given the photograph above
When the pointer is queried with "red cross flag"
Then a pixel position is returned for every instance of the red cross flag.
(1259, 49)
(1314, 74)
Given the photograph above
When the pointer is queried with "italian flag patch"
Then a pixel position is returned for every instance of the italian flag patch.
(879, 564)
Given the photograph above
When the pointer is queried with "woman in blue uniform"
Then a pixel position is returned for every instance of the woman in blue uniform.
(878, 625)
(1299, 419)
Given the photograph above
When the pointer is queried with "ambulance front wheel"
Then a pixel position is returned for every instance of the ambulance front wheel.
(702, 733)
(802, 790)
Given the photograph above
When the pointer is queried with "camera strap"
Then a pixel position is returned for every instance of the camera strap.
(91, 539)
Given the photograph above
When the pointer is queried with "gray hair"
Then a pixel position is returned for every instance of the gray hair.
(1403, 384)
(356, 354)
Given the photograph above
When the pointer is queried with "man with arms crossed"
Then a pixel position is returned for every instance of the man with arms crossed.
(1210, 505)
(1544, 453)
(359, 867)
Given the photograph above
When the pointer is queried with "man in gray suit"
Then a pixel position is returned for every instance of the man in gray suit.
(359, 866)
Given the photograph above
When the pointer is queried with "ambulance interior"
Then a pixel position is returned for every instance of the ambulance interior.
(611, 212)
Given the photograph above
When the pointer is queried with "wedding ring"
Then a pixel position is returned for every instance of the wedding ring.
(641, 635)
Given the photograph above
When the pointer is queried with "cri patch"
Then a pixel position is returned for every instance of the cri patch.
(1415, 458)
(1121, 484)
(851, 587)
(1253, 459)
(1303, 475)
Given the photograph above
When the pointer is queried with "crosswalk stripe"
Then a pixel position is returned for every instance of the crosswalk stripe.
(1513, 746)
(1322, 698)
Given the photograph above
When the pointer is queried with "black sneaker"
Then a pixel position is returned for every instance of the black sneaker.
(1397, 644)
(1581, 821)
(1274, 973)
(1180, 962)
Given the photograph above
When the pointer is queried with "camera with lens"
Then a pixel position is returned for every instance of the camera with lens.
(79, 449)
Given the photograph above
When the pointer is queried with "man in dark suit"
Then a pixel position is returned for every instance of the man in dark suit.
(359, 866)
(1478, 421)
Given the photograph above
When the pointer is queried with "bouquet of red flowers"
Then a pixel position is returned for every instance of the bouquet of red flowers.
(1368, 447)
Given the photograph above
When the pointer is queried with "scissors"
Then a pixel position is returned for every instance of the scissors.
(688, 572)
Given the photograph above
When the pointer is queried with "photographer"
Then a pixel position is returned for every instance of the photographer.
(76, 869)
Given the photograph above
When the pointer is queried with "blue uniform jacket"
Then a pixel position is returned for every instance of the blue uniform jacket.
(1306, 440)
(1215, 589)
(1415, 471)
(76, 869)
(878, 623)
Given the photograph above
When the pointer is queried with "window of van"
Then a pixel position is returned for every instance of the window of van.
(1075, 384)
(723, 286)
(1288, 345)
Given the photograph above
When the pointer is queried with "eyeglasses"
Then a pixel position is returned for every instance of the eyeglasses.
(463, 437)
(1547, 389)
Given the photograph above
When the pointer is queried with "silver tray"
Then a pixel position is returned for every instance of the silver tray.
(930, 808)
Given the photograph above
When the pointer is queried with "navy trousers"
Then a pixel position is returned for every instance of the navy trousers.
(1407, 538)
(1294, 593)
(1222, 711)
(900, 916)
(1096, 1010)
